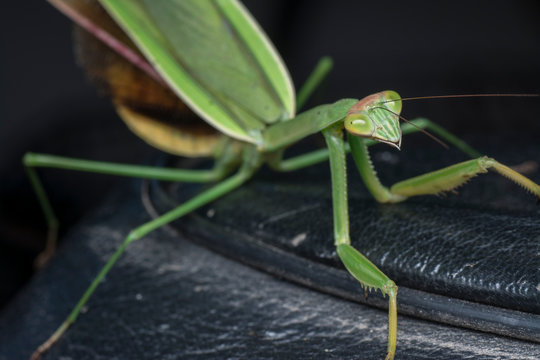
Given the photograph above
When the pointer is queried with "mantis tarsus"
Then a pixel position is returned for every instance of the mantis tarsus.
(215, 57)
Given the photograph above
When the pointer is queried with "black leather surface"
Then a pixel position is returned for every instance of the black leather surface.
(469, 259)
(170, 299)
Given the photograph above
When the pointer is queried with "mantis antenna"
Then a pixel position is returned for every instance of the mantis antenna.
(461, 96)
(433, 137)
(457, 96)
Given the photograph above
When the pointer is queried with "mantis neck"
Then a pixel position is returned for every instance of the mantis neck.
(288, 132)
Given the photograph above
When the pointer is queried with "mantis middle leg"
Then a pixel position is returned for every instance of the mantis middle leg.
(318, 156)
(32, 161)
(250, 164)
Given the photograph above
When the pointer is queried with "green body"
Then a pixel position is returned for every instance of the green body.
(219, 62)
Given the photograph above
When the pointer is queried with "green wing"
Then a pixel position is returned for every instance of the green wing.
(213, 54)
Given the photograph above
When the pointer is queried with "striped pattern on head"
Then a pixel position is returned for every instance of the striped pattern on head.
(376, 117)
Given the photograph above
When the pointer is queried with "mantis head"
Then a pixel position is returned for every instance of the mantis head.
(376, 117)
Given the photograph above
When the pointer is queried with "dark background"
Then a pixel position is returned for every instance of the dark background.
(414, 47)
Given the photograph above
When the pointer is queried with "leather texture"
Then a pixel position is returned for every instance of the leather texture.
(467, 259)
(170, 299)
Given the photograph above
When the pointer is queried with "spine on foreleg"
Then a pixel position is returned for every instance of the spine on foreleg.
(516, 177)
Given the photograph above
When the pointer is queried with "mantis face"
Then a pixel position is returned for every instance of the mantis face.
(377, 117)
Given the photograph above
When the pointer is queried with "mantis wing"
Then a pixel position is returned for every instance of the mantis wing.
(142, 99)
(215, 57)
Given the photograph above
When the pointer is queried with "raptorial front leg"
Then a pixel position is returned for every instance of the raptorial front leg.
(369, 276)
(453, 176)
(431, 183)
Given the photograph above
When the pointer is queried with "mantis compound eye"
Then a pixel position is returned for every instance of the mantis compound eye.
(359, 124)
(393, 106)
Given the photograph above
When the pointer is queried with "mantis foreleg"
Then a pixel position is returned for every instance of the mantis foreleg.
(434, 182)
(357, 264)
(226, 186)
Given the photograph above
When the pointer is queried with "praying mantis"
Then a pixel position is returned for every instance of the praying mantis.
(248, 96)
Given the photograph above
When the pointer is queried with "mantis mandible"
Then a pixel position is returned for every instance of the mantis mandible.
(214, 56)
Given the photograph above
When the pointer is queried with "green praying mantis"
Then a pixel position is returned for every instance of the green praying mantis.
(213, 55)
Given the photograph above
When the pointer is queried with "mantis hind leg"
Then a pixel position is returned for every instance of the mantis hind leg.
(369, 276)
(317, 76)
(435, 182)
(32, 161)
(245, 172)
